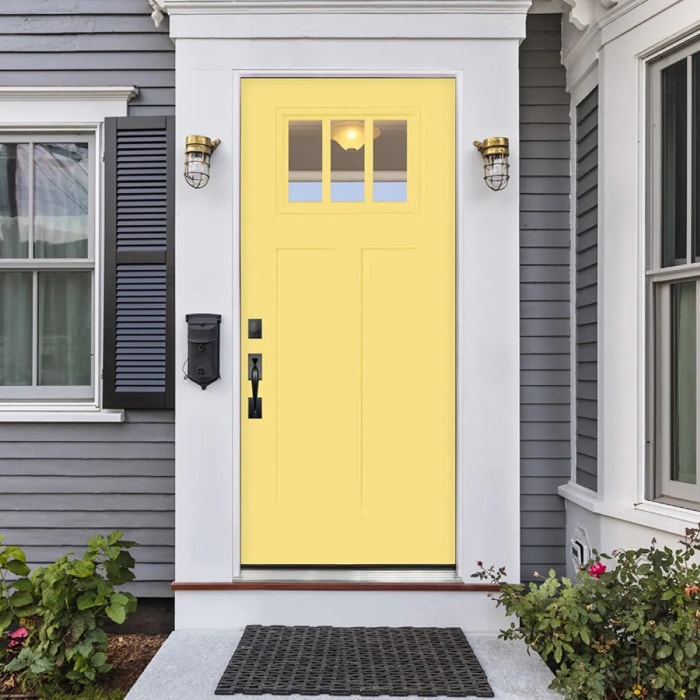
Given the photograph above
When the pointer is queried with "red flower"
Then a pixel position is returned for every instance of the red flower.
(596, 569)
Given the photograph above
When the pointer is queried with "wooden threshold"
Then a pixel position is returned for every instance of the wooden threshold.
(332, 586)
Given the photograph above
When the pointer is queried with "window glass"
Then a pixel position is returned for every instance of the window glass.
(347, 161)
(683, 382)
(390, 161)
(305, 161)
(60, 200)
(14, 200)
(674, 143)
(15, 328)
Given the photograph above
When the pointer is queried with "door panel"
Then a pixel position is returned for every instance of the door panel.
(348, 256)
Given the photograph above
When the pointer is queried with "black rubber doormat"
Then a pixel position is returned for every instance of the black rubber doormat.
(364, 661)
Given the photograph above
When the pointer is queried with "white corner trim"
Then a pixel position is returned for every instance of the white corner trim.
(659, 516)
(158, 12)
(60, 416)
(121, 93)
(586, 12)
(233, 7)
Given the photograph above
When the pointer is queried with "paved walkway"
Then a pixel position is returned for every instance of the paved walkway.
(190, 663)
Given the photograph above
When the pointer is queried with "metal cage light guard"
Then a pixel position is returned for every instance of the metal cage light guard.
(198, 150)
(495, 153)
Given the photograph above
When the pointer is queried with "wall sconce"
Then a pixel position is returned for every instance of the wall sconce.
(198, 150)
(350, 136)
(495, 153)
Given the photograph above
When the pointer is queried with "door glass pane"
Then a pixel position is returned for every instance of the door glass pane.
(61, 200)
(347, 161)
(14, 200)
(390, 161)
(674, 181)
(305, 161)
(15, 328)
(683, 383)
(65, 328)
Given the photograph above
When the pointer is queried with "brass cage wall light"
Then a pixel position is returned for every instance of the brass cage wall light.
(495, 153)
(198, 150)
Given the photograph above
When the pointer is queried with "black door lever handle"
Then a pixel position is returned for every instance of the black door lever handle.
(255, 404)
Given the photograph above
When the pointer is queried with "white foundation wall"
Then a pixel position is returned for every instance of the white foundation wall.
(619, 515)
(207, 270)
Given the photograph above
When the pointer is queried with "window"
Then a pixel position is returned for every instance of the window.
(674, 277)
(47, 266)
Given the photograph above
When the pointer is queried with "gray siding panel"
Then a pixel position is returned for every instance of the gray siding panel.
(89, 43)
(545, 393)
(587, 291)
(60, 483)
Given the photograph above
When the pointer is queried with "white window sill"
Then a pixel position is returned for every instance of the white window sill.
(44, 415)
(662, 517)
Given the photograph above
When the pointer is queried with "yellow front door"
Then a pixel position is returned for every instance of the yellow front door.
(348, 321)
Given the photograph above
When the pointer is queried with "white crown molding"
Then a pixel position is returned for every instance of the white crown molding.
(234, 7)
(583, 13)
(73, 94)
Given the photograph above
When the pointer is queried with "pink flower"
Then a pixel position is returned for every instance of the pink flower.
(596, 569)
(17, 637)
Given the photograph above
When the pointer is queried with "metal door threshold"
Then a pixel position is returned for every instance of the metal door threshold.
(350, 575)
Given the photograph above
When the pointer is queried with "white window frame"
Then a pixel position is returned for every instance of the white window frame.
(35, 266)
(76, 112)
(660, 279)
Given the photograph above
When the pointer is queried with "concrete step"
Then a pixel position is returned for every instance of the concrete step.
(190, 663)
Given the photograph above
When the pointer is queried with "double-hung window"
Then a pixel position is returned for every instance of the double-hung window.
(673, 274)
(47, 267)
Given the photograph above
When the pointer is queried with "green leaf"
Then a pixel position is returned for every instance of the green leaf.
(664, 652)
(81, 568)
(691, 649)
(5, 620)
(99, 659)
(86, 600)
(21, 598)
(17, 567)
(117, 613)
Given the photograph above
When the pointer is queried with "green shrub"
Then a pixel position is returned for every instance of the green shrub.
(64, 607)
(626, 631)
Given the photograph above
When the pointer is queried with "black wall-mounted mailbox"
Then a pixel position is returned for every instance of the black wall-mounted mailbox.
(203, 348)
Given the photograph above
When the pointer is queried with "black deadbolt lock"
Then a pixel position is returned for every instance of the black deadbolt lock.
(203, 348)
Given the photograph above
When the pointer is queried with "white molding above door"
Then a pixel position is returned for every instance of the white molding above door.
(199, 7)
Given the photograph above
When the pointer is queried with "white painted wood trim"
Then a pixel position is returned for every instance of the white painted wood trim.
(52, 415)
(230, 7)
(123, 93)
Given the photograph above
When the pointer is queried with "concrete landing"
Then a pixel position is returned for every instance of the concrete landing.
(190, 663)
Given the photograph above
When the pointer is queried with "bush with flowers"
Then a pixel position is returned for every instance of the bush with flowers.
(628, 629)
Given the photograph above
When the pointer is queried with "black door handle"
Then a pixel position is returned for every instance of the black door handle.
(255, 403)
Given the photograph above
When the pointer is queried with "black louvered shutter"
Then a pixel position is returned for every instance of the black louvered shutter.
(139, 262)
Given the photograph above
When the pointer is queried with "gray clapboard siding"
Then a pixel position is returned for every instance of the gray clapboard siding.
(587, 291)
(545, 324)
(88, 43)
(61, 483)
